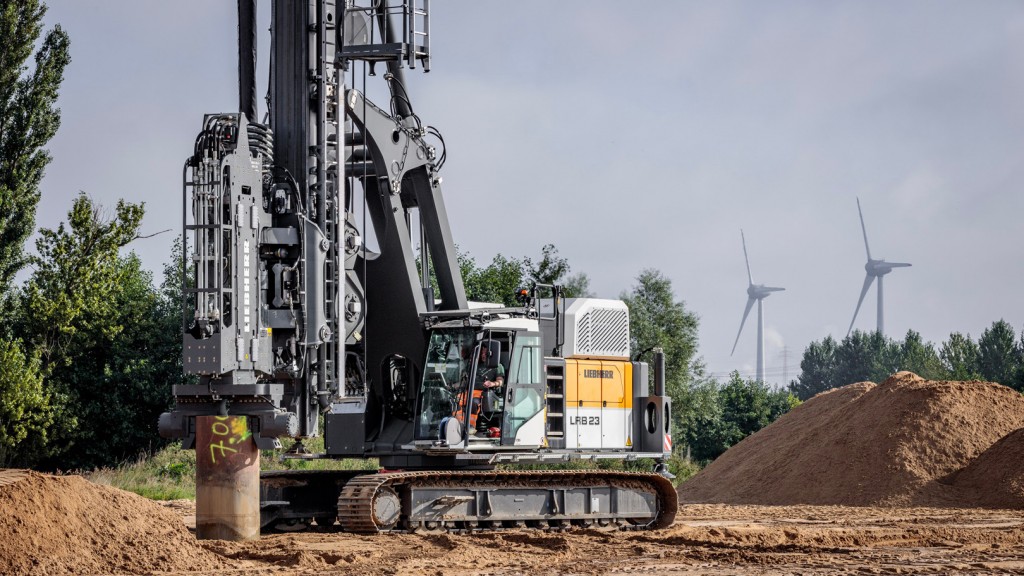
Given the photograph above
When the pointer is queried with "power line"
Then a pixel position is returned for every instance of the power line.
(776, 372)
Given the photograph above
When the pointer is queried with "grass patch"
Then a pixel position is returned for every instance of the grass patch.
(272, 459)
(169, 474)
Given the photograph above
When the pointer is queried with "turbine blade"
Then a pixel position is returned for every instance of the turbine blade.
(750, 304)
(745, 258)
(863, 229)
(898, 264)
(863, 291)
(773, 289)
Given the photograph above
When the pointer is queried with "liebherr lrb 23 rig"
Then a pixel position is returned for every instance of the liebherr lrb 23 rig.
(291, 318)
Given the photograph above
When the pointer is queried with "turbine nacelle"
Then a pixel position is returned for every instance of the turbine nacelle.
(881, 267)
(760, 291)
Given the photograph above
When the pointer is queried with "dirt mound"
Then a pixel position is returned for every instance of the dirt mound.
(995, 479)
(68, 525)
(863, 445)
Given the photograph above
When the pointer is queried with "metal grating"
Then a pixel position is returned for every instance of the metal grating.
(603, 332)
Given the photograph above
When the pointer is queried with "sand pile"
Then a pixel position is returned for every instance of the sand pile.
(68, 525)
(995, 479)
(864, 445)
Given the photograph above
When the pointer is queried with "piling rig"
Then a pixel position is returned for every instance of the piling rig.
(307, 301)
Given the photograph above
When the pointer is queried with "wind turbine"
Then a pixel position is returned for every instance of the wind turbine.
(875, 269)
(756, 292)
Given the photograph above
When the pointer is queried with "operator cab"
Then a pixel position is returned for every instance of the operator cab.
(456, 410)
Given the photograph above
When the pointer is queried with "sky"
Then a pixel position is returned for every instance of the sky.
(645, 135)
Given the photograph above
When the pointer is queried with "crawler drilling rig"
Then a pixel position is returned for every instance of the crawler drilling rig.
(308, 303)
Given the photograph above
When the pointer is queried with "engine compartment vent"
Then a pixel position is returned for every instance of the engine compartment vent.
(596, 328)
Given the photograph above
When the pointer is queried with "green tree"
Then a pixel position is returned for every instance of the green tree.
(920, 357)
(866, 356)
(781, 401)
(497, 282)
(817, 369)
(80, 307)
(120, 381)
(860, 356)
(76, 273)
(959, 357)
(554, 269)
(715, 417)
(28, 120)
(551, 268)
(25, 410)
(999, 355)
(577, 286)
(167, 341)
(698, 421)
(749, 405)
(656, 318)
(745, 407)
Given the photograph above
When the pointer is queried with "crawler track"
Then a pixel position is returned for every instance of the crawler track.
(487, 500)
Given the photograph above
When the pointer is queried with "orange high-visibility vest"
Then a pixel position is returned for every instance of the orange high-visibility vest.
(460, 406)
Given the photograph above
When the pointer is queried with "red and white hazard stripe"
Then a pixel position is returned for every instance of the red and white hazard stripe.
(668, 443)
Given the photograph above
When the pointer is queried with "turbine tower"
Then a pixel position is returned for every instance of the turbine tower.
(875, 269)
(756, 292)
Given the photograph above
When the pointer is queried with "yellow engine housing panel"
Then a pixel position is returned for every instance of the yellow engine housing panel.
(598, 403)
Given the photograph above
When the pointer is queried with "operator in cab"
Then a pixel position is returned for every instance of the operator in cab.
(490, 376)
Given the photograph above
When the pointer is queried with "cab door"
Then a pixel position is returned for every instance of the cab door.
(523, 421)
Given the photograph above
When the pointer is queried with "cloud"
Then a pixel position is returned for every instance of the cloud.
(636, 137)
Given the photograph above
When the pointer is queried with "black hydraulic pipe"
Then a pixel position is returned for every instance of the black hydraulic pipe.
(247, 59)
(358, 153)
(360, 169)
(659, 372)
(401, 101)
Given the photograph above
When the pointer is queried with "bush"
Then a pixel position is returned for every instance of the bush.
(682, 468)
(26, 413)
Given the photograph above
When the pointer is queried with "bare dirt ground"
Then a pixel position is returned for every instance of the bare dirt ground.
(706, 539)
(53, 525)
(905, 477)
